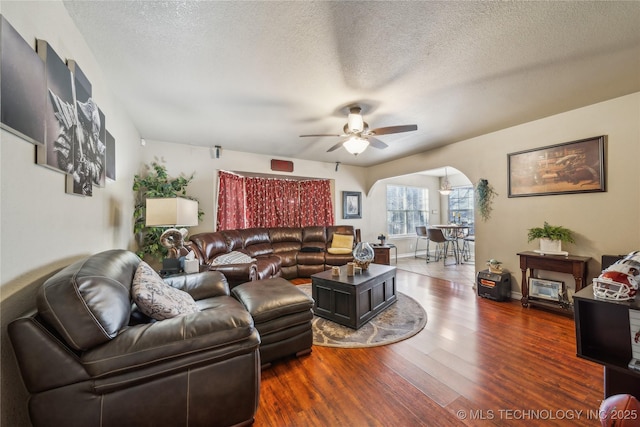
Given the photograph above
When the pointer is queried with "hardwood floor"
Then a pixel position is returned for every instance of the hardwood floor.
(477, 362)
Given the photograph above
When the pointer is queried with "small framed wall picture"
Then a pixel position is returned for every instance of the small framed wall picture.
(351, 204)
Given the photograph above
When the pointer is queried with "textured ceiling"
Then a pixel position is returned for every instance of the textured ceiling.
(253, 76)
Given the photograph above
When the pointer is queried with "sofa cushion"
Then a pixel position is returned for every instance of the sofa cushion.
(339, 251)
(233, 257)
(209, 245)
(89, 302)
(271, 299)
(342, 241)
(314, 234)
(157, 299)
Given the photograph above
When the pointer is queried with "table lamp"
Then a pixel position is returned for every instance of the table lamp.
(171, 212)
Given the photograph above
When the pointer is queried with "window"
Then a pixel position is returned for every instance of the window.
(461, 206)
(407, 207)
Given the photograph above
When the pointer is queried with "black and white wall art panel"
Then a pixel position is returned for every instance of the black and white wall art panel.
(22, 84)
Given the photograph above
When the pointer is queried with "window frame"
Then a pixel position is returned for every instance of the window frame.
(417, 214)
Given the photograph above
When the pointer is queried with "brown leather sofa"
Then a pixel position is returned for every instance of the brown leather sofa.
(88, 360)
(287, 252)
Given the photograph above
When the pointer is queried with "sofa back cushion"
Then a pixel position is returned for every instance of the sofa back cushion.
(89, 302)
(315, 237)
(285, 239)
(234, 240)
(209, 245)
(256, 241)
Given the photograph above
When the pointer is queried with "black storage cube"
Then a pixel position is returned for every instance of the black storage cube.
(495, 286)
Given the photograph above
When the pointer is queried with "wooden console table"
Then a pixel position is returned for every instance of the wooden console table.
(529, 260)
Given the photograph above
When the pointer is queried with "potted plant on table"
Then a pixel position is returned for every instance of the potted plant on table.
(551, 238)
(382, 238)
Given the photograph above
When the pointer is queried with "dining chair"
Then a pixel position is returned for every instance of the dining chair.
(442, 244)
(421, 233)
(466, 247)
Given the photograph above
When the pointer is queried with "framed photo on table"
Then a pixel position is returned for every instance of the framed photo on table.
(551, 290)
(351, 204)
(570, 167)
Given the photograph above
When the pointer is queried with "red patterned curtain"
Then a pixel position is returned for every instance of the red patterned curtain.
(245, 202)
(316, 207)
(287, 203)
(231, 202)
(272, 202)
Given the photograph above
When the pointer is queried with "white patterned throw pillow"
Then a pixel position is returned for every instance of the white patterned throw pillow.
(157, 299)
(233, 257)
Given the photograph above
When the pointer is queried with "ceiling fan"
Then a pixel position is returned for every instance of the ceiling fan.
(359, 136)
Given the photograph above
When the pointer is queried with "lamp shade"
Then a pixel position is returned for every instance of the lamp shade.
(445, 187)
(171, 211)
(356, 145)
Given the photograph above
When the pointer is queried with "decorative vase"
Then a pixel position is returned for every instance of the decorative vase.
(363, 255)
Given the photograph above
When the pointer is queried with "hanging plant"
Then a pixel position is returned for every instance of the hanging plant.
(484, 197)
(156, 183)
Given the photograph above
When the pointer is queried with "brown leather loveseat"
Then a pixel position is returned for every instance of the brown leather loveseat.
(89, 358)
(287, 252)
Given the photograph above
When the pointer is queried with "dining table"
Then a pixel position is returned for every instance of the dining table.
(457, 231)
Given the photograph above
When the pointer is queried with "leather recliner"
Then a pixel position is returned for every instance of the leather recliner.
(86, 363)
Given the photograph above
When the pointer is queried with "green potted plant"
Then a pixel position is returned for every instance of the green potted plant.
(551, 237)
(484, 197)
(156, 183)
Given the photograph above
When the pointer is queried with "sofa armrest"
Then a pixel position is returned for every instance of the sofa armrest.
(201, 285)
(215, 333)
(45, 361)
(237, 273)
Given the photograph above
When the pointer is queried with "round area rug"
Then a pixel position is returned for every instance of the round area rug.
(401, 320)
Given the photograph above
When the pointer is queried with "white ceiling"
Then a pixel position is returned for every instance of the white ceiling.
(253, 76)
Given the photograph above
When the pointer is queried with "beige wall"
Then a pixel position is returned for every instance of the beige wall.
(43, 229)
(604, 223)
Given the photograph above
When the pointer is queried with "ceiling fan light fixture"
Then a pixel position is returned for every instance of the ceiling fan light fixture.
(355, 122)
(445, 187)
(356, 145)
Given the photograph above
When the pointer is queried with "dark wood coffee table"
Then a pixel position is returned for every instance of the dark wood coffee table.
(353, 300)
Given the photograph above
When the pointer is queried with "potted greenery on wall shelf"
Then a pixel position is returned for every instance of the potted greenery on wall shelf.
(156, 183)
(551, 238)
(484, 197)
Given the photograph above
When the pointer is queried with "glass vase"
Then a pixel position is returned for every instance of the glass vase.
(363, 255)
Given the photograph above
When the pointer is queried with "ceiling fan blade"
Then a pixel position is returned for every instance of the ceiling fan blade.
(321, 134)
(393, 129)
(335, 147)
(376, 143)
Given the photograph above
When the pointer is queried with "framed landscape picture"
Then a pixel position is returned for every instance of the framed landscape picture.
(351, 204)
(570, 167)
